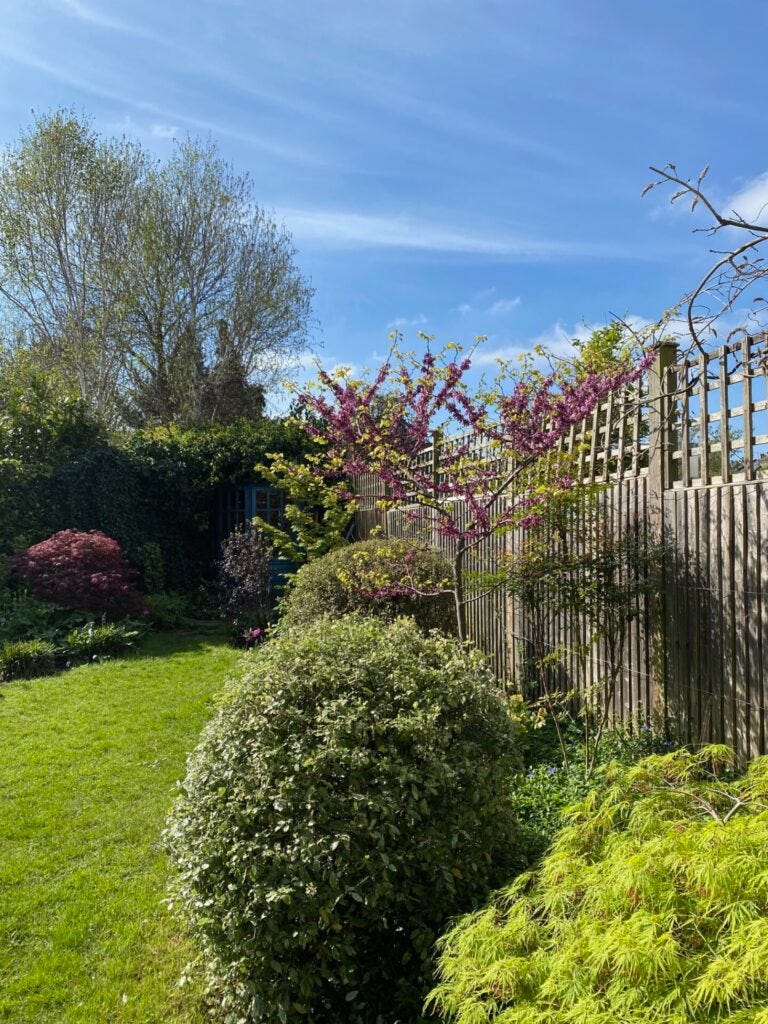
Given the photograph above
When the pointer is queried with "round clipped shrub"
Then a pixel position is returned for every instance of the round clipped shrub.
(386, 578)
(86, 571)
(347, 799)
(652, 906)
(26, 659)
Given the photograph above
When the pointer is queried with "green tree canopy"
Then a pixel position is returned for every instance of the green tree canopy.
(162, 290)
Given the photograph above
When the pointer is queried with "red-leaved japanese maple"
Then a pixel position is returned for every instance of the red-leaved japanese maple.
(86, 571)
(490, 440)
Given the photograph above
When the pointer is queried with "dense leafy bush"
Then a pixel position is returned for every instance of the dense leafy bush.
(26, 659)
(652, 906)
(150, 562)
(373, 577)
(43, 418)
(22, 617)
(169, 611)
(101, 640)
(85, 571)
(347, 799)
(541, 794)
(244, 578)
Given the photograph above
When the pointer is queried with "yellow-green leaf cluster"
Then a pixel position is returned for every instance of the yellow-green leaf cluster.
(651, 908)
(318, 511)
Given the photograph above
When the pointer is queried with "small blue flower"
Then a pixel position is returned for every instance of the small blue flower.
(646, 727)
(551, 771)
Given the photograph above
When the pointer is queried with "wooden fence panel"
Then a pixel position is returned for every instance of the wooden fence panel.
(683, 461)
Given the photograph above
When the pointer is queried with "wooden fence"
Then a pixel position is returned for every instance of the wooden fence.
(683, 460)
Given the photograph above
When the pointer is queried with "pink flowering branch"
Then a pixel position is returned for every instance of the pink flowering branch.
(383, 426)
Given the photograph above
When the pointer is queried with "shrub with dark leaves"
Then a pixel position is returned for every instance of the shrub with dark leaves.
(84, 571)
(244, 578)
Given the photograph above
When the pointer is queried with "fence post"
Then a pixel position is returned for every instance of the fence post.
(660, 448)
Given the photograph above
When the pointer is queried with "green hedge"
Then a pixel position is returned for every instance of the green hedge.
(152, 491)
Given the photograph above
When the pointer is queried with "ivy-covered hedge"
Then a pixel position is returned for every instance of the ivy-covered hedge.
(156, 488)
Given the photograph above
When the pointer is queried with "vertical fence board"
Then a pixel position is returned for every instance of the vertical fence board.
(712, 515)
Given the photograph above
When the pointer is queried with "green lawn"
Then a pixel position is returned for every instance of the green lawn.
(88, 765)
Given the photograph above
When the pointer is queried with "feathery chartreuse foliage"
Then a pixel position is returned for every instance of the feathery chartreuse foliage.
(652, 906)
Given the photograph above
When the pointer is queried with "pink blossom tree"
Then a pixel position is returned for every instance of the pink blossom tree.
(493, 442)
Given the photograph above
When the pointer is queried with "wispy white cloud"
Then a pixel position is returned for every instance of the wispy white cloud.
(485, 357)
(100, 19)
(503, 306)
(163, 131)
(402, 322)
(751, 201)
(342, 229)
(261, 143)
(484, 303)
(557, 339)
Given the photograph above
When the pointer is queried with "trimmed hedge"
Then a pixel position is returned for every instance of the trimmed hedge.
(373, 577)
(154, 491)
(348, 798)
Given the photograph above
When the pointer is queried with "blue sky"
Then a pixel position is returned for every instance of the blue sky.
(458, 168)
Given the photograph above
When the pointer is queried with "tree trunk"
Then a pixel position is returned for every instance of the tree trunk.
(458, 590)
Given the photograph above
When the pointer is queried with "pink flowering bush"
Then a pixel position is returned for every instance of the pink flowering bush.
(86, 571)
(498, 461)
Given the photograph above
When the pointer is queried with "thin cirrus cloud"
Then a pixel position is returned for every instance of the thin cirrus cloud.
(94, 16)
(401, 322)
(483, 303)
(503, 306)
(166, 118)
(751, 201)
(350, 230)
(163, 131)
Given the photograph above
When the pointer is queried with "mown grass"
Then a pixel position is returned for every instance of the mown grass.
(88, 765)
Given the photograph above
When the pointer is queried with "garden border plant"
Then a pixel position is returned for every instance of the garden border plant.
(651, 906)
(383, 577)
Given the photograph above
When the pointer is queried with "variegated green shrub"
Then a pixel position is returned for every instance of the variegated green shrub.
(347, 800)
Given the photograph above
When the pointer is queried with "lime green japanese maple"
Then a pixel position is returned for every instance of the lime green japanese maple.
(651, 908)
